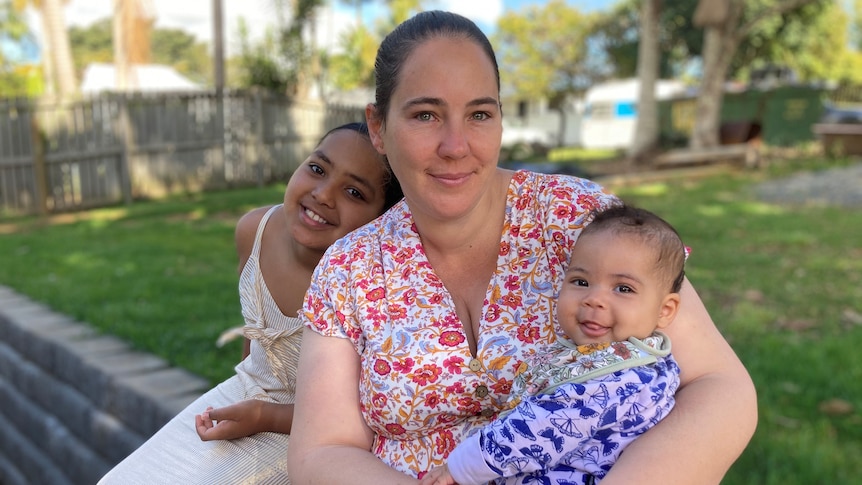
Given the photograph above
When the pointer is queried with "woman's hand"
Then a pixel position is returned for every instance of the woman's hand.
(242, 419)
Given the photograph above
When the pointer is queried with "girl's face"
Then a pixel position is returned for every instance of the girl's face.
(338, 188)
(444, 126)
(613, 291)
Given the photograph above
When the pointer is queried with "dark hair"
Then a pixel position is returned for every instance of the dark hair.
(392, 189)
(401, 42)
(652, 230)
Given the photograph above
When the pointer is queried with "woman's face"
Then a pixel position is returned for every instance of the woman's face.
(443, 130)
(338, 188)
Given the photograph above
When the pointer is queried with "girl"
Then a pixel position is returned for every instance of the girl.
(342, 185)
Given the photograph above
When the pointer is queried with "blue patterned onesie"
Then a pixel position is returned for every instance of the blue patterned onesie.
(573, 411)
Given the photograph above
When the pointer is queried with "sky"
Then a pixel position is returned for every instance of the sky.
(195, 16)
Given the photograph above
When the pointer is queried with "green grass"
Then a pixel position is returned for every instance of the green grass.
(162, 275)
(784, 284)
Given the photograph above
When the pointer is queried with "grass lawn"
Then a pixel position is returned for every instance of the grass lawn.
(783, 283)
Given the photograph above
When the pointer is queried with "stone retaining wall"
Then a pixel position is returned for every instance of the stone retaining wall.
(73, 403)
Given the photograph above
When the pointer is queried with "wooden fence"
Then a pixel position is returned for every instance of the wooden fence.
(110, 149)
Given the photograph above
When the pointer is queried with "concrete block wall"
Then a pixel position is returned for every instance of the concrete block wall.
(73, 403)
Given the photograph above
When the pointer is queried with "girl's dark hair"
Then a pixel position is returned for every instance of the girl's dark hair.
(392, 188)
(401, 42)
(652, 230)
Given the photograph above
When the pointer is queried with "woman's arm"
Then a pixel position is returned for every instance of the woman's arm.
(715, 413)
(330, 442)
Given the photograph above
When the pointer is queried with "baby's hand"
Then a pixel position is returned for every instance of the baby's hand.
(438, 476)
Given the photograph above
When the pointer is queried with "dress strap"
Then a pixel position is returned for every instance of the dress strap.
(255, 250)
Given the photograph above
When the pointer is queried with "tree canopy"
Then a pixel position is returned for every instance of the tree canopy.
(172, 47)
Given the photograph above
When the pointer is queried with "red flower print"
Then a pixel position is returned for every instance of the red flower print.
(405, 254)
(469, 405)
(503, 386)
(493, 313)
(528, 333)
(562, 193)
(512, 300)
(513, 283)
(456, 388)
(375, 294)
(446, 418)
(563, 212)
(453, 364)
(451, 321)
(436, 299)
(433, 281)
(444, 443)
(321, 324)
(397, 312)
(409, 297)
(505, 248)
(587, 202)
(621, 350)
(382, 367)
(395, 429)
(338, 259)
(379, 400)
(451, 338)
(376, 318)
(316, 304)
(428, 373)
(432, 400)
(403, 367)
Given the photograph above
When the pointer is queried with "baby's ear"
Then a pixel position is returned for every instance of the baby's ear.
(668, 309)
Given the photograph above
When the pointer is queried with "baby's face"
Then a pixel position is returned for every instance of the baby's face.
(611, 290)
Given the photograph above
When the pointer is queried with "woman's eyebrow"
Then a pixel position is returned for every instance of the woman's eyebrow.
(439, 102)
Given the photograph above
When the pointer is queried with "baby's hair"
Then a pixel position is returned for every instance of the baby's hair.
(652, 230)
(393, 189)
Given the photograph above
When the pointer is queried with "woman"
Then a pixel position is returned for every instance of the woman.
(343, 184)
(416, 323)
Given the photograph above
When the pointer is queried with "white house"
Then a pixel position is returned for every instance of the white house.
(147, 77)
(533, 121)
(610, 111)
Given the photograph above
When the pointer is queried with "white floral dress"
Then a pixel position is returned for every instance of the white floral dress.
(421, 389)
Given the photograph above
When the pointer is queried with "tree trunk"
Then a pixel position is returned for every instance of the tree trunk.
(646, 127)
(719, 45)
(61, 53)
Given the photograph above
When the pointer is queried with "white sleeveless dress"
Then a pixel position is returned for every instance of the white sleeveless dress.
(175, 454)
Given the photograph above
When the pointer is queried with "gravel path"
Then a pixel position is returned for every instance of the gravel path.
(838, 186)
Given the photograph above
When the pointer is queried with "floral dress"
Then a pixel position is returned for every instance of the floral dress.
(575, 409)
(421, 389)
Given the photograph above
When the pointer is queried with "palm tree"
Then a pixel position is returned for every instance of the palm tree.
(133, 23)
